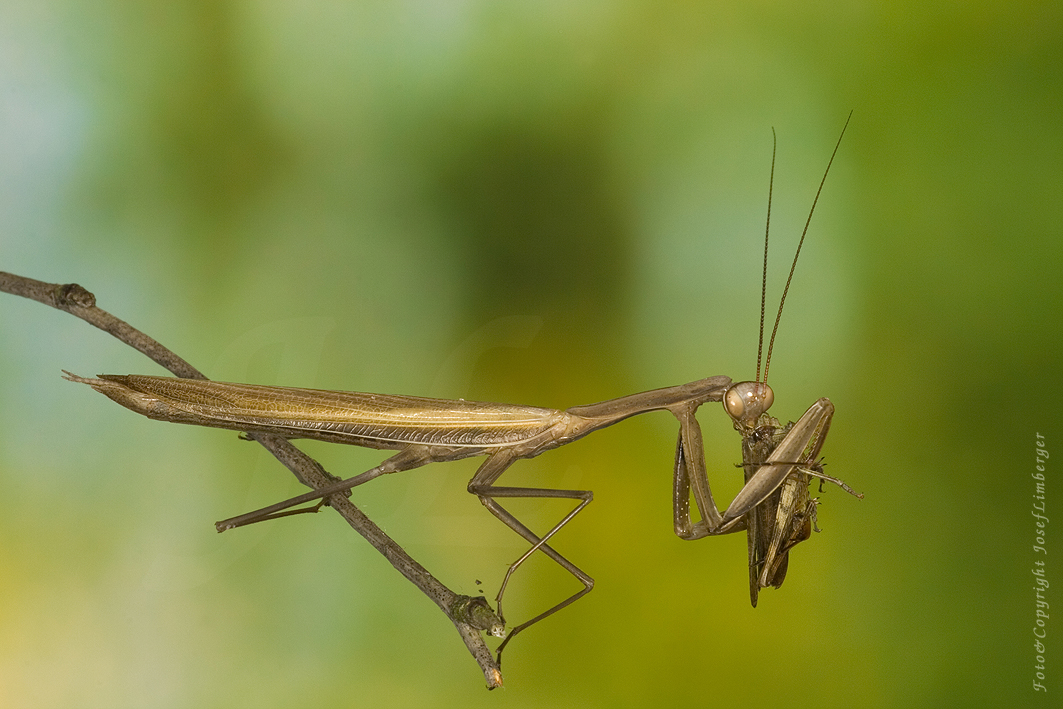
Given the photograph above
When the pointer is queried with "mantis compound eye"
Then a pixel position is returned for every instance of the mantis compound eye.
(746, 401)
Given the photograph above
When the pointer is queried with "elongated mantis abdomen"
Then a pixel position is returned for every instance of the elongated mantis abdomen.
(383, 421)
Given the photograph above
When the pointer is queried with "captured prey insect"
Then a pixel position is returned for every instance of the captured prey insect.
(773, 507)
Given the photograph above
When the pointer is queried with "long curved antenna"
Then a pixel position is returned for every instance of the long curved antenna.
(764, 277)
(786, 288)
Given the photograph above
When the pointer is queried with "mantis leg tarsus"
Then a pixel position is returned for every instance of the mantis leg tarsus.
(312, 509)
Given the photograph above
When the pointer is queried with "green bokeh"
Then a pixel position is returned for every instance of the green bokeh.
(543, 203)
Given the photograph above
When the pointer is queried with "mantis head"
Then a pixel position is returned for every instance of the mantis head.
(744, 402)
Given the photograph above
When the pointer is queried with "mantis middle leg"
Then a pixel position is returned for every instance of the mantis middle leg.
(482, 485)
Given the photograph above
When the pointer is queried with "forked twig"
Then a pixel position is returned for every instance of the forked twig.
(470, 615)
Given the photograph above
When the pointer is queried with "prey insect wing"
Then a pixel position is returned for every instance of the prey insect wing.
(786, 517)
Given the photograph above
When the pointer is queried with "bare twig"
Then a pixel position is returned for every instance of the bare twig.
(471, 616)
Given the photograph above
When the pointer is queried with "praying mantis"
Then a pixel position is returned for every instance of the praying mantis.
(779, 462)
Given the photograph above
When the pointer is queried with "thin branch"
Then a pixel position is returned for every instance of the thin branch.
(471, 616)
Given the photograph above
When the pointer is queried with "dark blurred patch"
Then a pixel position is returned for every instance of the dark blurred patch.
(540, 227)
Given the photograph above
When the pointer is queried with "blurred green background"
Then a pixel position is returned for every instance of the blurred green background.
(545, 203)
